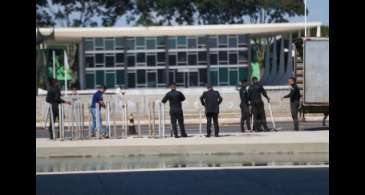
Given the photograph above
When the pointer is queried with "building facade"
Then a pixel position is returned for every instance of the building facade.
(191, 56)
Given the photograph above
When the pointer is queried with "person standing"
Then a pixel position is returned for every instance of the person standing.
(54, 98)
(176, 113)
(294, 96)
(98, 98)
(210, 100)
(244, 105)
(254, 94)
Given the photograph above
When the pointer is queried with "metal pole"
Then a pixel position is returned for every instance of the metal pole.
(159, 119)
(97, 117)
(163, 120)
(82, 120)
(125, 120)
(305, 18)
(200, 123)
(153, 119)
(52, 122)
(108, 118)
(45, 117)
(61, 125)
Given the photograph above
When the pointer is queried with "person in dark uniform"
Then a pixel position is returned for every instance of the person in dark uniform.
(176, 113)
(254, 94)
(294, 96)
(211, 100)
(244, 105)
(54, 98)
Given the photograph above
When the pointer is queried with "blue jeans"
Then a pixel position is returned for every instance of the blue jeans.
(93, 125)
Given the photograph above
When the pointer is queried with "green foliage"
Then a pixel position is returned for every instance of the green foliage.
(165, 12)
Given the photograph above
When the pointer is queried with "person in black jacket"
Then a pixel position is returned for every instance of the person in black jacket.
(244, 105)
(294, 96)
(211, 100)
(254, 94)
(176, 113)
(54, 98)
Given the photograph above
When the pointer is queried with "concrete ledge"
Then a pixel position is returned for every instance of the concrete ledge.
(248, 143)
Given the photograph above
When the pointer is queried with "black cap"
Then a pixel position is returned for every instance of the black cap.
(100, 87)
(209, 85)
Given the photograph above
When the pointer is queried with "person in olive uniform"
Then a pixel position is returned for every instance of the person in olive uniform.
(244, 105)
(294, 96)
(176, 113)
(54, 98)
(211, 100)
(254, 94)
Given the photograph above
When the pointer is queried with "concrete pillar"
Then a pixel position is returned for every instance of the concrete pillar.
(290, 48)
(167, 79)
(274, 55)
(318, 31)
(281, 59)
(81, 66)
(125, 62)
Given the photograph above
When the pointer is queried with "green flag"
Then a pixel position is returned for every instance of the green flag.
(255, 67)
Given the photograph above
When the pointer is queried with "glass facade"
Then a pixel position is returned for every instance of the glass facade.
(190, 61)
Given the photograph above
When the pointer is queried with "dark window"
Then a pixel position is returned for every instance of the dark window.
(172, 60)
(232, 41)
(109, 61)
(192, 58)
(110, 80)
(202, 56)
(90, 81)
(171, 76)
(222, 56)
(100, 77)
(179, 77)
(202, 40)
(141, 57)
(131, 80)
(89, 44)
(203, 76)
(181, 56)
(120, 58)
(161, 42)
(212, 42)
(191, 43)
(140, 42)
(171, 43)
(151, 60)
(120, 77)
(213, 59)
(130, 43)
(131, 60)
(193, 78)
(89, 60)
(161, 75)
(99, 42)
(151, 79)
(222, 39)
(109, 44)
(232, 58)
(161, 56)
(181, 40)
(141, 76)
(242, 55)
(119, 43)
(242, 40)
(151, 44)
(99, 58)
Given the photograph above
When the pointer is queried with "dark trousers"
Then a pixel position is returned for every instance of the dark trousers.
(55, 117)
(294, 109)
(209, 116)
(259, 119)
(177, 116)
(245, 117)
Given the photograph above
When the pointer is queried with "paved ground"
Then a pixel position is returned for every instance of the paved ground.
(275, 181)
(310, 125)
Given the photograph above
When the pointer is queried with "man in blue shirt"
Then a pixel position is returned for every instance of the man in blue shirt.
(97, 99)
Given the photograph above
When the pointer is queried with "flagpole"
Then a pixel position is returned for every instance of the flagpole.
(54, 63)
(65, 65)
(305, 18)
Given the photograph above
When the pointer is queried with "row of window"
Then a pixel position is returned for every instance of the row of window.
(159, 59)
(157, 78)
(173, 42)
